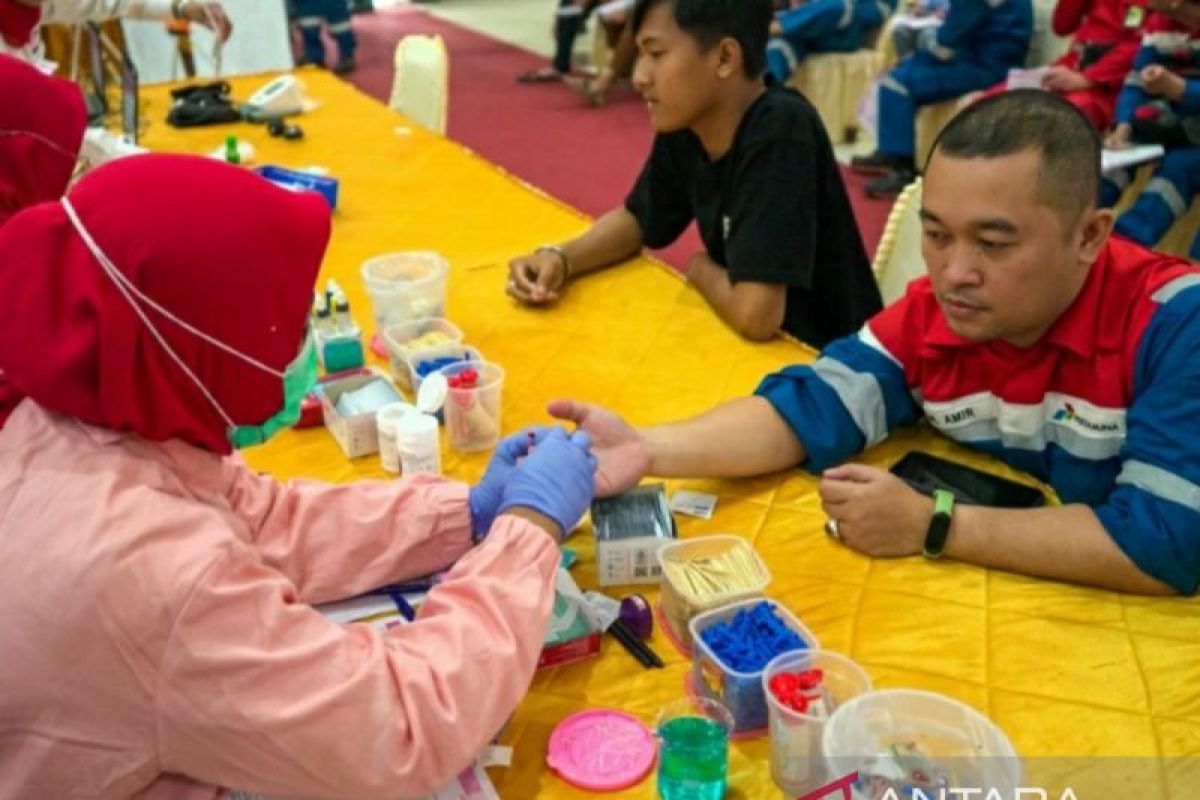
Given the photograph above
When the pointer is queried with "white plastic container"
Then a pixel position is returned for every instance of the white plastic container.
(405, 287)
(419, 446)
(740, 692)
(417, 433)
(387, 421)
(957, 742)
(357, 435)
(797, 762)
(680, 605)
(403, 339)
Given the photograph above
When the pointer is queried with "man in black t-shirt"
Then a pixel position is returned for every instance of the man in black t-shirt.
(750, 163)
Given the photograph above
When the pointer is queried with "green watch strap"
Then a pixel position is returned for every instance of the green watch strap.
(939, 524)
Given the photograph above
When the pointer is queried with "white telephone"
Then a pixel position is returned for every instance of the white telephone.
(280, 97)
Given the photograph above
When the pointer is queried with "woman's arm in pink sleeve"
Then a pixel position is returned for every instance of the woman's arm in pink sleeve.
(338, 540)
(258, 692)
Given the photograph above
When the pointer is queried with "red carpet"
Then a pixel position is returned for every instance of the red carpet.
(542, 133)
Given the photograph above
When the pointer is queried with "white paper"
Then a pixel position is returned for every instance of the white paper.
(1129, 156)
(694, 504)
(471, 784)
(915, 22)
(1027, 78)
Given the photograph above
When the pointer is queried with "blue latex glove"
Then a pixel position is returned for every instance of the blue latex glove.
(484, 498)
(557, 479)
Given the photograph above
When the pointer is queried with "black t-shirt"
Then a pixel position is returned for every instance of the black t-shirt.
(771, 210)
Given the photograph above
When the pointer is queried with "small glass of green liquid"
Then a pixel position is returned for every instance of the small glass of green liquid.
(693, 756)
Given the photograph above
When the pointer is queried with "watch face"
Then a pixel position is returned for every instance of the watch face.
(935, 538)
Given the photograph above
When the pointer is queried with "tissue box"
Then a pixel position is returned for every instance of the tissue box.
(573, 632)
(357, 435)
(630, 529)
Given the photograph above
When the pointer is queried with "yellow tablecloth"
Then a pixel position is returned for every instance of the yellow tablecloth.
(1064, 671)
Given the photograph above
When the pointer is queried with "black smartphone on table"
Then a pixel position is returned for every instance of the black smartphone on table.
(925, 473)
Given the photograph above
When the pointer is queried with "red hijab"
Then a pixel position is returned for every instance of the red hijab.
(42, 120)
(17, 22)
(219, 247)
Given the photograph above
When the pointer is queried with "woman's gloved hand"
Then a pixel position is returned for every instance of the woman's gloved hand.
(484, 498)
(556, 480)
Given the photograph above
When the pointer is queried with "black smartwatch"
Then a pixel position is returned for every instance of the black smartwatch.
(939, 525)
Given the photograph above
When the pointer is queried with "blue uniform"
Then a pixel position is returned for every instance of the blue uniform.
(823, 26)
(1166, 197)
(1105, 407)
(1176, 182)
(976, 45)
(335, 14)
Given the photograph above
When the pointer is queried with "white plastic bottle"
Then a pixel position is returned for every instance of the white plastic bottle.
(418, 444)
(387, 420)
(417, 432)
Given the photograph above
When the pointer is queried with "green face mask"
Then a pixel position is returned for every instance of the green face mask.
(299, 378)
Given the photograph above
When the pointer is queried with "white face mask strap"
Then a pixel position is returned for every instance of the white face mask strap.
(108, 269)
(39, 138)
(129, 288)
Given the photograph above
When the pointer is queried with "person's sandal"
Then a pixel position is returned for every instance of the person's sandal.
(543, 75)
(584, 88)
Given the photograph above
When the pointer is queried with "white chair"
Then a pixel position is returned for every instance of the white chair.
(421, 84)
(898, 259)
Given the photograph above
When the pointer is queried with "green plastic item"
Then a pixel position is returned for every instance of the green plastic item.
(342, 353)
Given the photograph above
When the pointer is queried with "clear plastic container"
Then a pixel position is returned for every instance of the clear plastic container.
(403, 339)
(680, 604)
(888, 735)
(405, 287)
(740, 692)
(473, 415)
(797, 763)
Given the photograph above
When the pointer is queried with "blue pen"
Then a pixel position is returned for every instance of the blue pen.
(411, 587)
(402, 605)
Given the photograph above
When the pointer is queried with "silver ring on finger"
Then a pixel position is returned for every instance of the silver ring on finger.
(831, 530)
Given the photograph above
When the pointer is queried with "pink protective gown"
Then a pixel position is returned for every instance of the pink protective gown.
(156, 622)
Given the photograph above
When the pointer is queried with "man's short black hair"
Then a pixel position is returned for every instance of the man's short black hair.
(710, 21)
(1032, 119)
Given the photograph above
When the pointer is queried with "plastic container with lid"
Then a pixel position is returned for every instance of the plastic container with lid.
(408, 337)
(734, 572)
(739, 691)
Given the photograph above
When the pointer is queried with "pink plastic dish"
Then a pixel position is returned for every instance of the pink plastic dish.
(601, 750)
